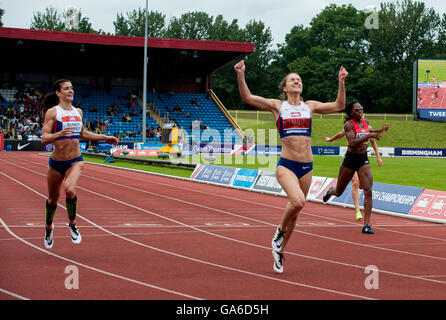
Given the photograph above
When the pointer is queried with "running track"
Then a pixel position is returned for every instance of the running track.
(150, 237)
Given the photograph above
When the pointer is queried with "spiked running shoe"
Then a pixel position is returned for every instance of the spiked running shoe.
(75, 235)
(367, 229)
(358, 215)
(278, 262)
(327, 195)
(48, 241)
(277, 241)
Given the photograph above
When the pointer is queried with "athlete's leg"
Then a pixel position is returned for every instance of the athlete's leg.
(71, 179)
(366, 179)
(355, 195)
(344, 177)
(54, 182)
(296, 190)
(296, 203)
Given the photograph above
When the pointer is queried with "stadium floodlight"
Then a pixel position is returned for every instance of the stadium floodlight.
(144, 89)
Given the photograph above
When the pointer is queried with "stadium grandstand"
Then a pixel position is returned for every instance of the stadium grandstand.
(107, 73)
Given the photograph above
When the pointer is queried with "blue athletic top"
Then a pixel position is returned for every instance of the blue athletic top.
(294, 120)
(68, 118)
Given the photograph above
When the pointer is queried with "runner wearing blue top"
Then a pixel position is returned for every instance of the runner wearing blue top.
(294, 170)
(63, 127)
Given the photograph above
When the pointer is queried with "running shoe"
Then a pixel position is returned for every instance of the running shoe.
(327, 195)
(358, 215)
(75, 235)
(277, 241)
(278, 262)
(48, 241)
(367, 229)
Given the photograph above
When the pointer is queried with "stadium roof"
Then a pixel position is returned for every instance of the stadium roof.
(67, 53)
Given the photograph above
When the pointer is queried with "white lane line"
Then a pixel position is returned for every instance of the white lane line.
(172, 253)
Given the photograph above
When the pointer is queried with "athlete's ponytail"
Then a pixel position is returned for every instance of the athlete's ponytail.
(51, 99)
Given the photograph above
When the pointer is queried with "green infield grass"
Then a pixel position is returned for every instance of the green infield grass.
(402, 134)
(429, 173)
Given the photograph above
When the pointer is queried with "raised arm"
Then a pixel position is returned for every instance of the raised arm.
(260, 103)
(337, 136)
(336, 106)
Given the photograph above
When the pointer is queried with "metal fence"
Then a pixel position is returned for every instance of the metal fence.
(266, 116)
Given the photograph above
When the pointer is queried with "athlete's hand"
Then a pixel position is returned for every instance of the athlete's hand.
(240, 67)
(375, 135)
(112, 140)
(342, 74)
(385, 127)
(379, 161)
(66, 132)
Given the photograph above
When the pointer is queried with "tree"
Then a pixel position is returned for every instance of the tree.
(2, 12)
(134, 24)
(258, 75)
(440, 47)
(70, 20)
(48, 20)
(407, 31)
(191, 25)
(334, 38)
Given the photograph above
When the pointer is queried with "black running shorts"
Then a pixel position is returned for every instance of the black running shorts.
(355, 161)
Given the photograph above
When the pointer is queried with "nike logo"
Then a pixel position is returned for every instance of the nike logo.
(305, 167)
(20, 147)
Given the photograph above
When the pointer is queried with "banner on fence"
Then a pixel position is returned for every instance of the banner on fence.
(214, 174)
(317, 185)
(388, 197)
(21, 145)
(245, 178)
(430, 204)
(267, 181)
(418, 152)
(325, 151)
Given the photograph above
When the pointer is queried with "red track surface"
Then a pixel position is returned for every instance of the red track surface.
(157, 238)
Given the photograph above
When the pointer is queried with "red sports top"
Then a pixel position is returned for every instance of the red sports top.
(360, 132)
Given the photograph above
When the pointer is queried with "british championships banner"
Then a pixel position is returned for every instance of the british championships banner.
(388, 197)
